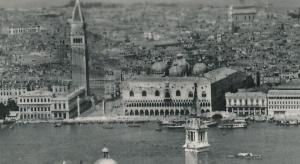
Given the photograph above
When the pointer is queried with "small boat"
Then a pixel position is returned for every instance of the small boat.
(134, 125)
(58, 124)
(166, 123)
(175, 126)
(248, 156)
(158, 129)
(107, 126)
(210, 123)
(233, 125)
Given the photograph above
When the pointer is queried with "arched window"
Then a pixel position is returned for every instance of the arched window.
(191, 94)
(178, 93)
(203, 94)
(167, 95)
(144, 93)
(157, 93)
(131, 94)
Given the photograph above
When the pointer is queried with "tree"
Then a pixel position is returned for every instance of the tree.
(12, 106)
(3, 111)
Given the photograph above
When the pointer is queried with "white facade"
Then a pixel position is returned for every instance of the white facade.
(44, 105)
(35, 105)
(246, 103)
(154, 96)
(284, 102)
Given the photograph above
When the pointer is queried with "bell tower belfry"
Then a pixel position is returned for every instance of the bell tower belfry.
(196, 141)
(79, 55)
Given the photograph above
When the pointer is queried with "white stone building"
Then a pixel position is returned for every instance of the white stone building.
(154, 96)
(284, 100)
(247, 103)
(35, 105)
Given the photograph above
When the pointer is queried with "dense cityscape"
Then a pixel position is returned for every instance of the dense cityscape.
(182, 66)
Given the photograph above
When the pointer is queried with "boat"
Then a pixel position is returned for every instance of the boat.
(134, 125)
(158, 129)
(176, 126)
(107, 126)
(58, 124)
(166, 123)
(210, 123)
(233, 125)
(248, 156)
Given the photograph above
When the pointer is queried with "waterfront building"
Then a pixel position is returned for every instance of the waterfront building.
(45, 105)
(284, 100)
(165, 96)
(35, 105)
(196, 141)
(79, 55)
(66, 106)
(245, 103)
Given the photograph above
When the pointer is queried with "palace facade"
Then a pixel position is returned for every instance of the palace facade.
(165, 96)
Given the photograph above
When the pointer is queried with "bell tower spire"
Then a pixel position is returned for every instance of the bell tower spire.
(77, 14)
(79, 55)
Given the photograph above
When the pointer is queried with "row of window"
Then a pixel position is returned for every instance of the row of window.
(167, 104)
(59, 106)
(35, 116)
(167, 94)
(156, 112)
(285, 107)
(284, 97)
(246, 101)
(35, 100)
(35, 109)
(283, 102)
(77, 40)
(10, 93)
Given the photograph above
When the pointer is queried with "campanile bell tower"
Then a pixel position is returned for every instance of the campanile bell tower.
(196, 142)
(79, 55)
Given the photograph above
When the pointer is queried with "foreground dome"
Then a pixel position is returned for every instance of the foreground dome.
(106, 159)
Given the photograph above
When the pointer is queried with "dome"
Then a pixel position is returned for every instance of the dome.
(159, 67)
(177, 70)
(106, 161)
(199, 68)
(179, 66)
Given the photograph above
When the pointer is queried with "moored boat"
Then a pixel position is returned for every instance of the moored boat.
(233, 125)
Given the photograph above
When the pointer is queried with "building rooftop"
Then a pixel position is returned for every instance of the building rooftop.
(245, 94)
(291, 85)
(171, 79)
(236, 10)
(219, 74)
(39, 92)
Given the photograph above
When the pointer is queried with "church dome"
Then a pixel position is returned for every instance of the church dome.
(106, 159)
(199, 68)
(179, 66)
(159, 67)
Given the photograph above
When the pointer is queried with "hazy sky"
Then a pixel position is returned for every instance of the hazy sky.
(45, 3)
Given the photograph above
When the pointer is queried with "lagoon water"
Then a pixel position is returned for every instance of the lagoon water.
(46, 144)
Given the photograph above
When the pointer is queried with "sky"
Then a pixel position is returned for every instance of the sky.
(47, 3)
